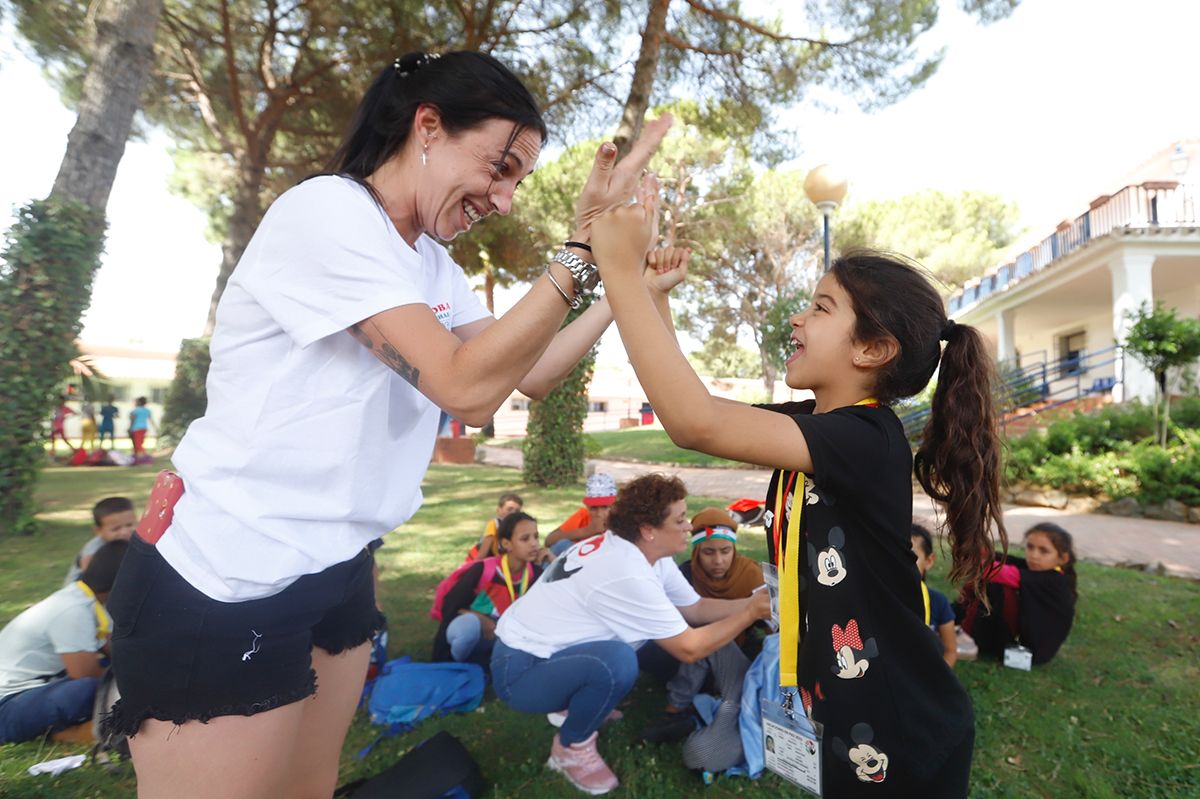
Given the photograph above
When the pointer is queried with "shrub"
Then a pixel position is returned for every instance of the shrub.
(53, 250)
(187, 397)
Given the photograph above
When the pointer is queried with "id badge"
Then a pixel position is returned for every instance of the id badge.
(771, 578)
(1018, 657)
(792, 746)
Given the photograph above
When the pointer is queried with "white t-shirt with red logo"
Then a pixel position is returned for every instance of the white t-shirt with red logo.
(310, 446)
(601, 589)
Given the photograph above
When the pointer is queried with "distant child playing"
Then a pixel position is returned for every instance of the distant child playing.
(486, 547)
(139, 423)
(1032, 598)
(468, 629)
(58, 424)
(940, 616)
(113, 520)
(108, 425)
(853, 639)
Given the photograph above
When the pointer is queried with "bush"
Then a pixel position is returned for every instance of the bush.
(187, 396)
(53, 250)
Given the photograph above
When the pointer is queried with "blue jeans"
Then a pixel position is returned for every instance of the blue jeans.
(467, 644)
(560, 546)
(47, 708)
(586, 679)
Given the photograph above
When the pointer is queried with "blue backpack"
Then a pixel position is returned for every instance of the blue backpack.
(406, 692)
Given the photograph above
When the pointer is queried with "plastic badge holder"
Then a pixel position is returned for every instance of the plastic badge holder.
(771, 578)
(792, 746)
(1018, 657)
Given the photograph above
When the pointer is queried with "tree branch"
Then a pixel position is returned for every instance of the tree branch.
(742, 22)
(235, 86)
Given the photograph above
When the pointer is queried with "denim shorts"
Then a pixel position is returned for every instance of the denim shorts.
(179, 655)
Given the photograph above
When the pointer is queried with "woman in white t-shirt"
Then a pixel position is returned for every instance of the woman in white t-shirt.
(570, 643)
(344, 329)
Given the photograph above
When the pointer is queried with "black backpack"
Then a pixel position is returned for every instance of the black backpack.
(437, 767)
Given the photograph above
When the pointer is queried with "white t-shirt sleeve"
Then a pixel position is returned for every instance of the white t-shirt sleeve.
(636, 609)
(466, 304)
(325, 257)
(678, 589)
(74, 630)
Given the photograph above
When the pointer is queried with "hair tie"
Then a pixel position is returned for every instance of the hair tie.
(948, 329)
(409, 63)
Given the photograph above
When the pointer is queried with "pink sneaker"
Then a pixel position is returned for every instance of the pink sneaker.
(557, 718)
(582, 765)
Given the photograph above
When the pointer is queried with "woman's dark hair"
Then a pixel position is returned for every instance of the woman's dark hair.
(101, 571)
(466, 87)
(1064, 544)
(645, 500)
(958, 461)
(508, 525)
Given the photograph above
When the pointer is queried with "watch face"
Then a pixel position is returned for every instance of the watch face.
(590, 279)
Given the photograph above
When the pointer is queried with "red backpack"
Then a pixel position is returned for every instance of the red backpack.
(439, 596)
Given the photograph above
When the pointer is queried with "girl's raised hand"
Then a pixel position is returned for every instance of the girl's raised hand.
(666, 268)
(610, 183)
(621, 236)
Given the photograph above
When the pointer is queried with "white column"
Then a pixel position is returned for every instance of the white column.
(1005, 348)
(1132, 287)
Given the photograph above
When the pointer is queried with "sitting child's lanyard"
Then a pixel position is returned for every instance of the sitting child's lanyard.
(102, 626)
(508, 579)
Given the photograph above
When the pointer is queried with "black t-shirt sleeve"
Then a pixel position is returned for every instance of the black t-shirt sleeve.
(847, 445)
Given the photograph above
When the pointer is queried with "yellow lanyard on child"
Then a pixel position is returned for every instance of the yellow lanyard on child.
(788, 565)
(102, 624)
(508, 579)
(925, 597)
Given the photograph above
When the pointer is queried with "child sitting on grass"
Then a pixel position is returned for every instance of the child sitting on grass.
(940, 616)
(486, 546)
(589, 521)
(1033, 598)
(50, 655)
(468, 629)
(113, 521)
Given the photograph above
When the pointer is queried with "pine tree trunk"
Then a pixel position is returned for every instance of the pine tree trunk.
(644, 70)
(112, 91)
(247, 213)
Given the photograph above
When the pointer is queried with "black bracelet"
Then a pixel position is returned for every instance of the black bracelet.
(578, 244)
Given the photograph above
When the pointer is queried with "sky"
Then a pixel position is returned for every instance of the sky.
(1048, 108)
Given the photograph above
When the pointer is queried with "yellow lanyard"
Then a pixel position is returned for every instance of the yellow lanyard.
(925, 596)
(102, 624)
(508, 578)
(788, 565)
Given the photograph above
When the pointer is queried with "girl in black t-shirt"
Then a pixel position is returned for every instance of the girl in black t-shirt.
(896, 721)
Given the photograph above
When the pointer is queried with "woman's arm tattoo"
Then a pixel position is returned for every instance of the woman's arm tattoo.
(386, 353)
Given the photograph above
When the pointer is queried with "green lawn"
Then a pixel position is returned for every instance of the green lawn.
(638, 444)
(1115, 715)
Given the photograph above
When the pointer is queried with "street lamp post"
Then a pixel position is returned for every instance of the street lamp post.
(826, 188)
(1179, 165)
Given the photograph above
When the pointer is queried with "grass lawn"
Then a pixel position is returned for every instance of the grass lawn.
(1115, 715)
(649, 445)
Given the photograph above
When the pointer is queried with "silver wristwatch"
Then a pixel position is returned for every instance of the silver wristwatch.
(585, 274)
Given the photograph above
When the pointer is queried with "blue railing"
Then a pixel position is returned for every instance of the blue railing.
(1151, 204)
(1032, 384)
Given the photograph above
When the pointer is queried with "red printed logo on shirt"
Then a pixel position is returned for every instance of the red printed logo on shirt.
(590, 546)
(442, 311)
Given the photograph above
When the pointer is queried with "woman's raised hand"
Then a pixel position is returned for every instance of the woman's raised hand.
(611, 183)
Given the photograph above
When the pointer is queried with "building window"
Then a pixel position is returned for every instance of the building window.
(158, 395)
(119, 392)
(519, 404)
(597, 407)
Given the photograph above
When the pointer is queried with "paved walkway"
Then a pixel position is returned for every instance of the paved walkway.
(1172, 546)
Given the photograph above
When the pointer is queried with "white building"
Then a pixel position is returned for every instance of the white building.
(1065, 301)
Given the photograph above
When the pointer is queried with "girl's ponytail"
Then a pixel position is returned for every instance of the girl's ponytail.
(958, 462)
